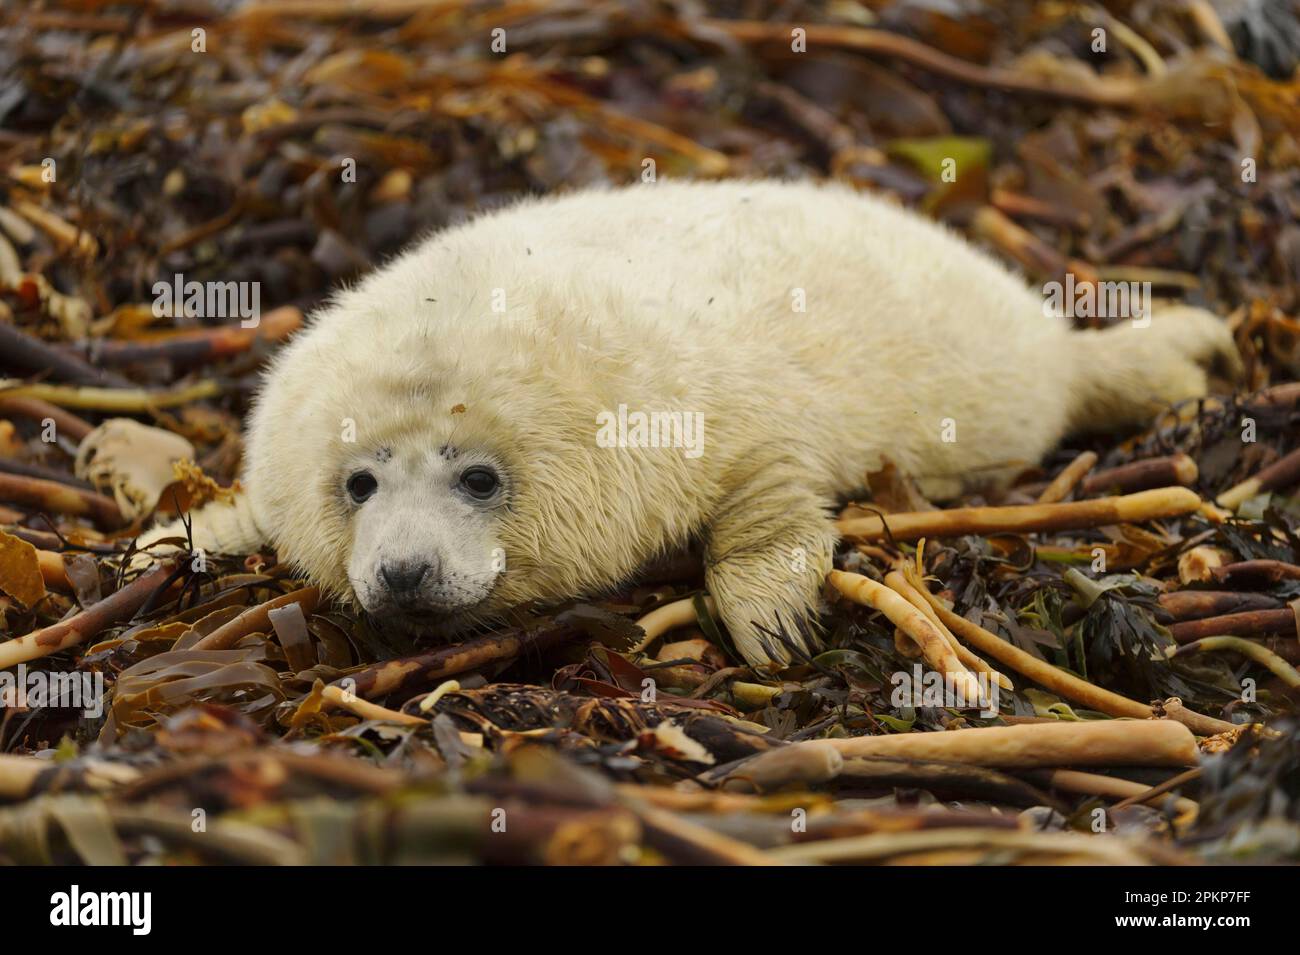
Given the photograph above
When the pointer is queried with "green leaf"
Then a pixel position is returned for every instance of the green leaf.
(929, 155)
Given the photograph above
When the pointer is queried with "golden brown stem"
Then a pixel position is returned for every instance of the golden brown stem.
(679, 613)
(934, 647)
(202, 345)
(1037, 257)
(1210, 26)
(367, 710)
(1247, 648)
(53, 570)
(1281, 473)
(899, 584)
(1255, 573)
(1093, 784)
(60, 499)
(1249, 624)
(80, 628)
(975, 843)
(57, 228)
(1100, 90)
(1174, 470)
(435, 666)
(1054, 678)
(1195, 604)
(1031, 745)
(121, 400)
(65, 422)
(1020, 206)
(679, 838)
(256, 619)
(1071, 475)
(1026, 518)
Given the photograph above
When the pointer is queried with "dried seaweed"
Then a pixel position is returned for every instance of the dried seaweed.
(130, 157)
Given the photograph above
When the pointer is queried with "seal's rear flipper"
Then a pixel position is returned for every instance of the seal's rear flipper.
(1128, 373)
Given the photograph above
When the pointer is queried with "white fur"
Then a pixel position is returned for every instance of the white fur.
(679, 297)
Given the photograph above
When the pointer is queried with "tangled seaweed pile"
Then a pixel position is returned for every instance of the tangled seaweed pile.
(289, 146)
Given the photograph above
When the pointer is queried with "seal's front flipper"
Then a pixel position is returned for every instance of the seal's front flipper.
(770, 547)
(215, 528)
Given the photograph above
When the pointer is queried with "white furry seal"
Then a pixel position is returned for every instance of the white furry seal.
(535, 404)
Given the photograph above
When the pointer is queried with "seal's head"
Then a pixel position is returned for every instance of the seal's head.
(439, 477)
(425, 528)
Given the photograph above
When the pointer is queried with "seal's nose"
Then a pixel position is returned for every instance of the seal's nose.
(403, 577)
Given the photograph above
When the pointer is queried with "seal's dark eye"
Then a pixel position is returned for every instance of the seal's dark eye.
(361, 485)
(481, 483)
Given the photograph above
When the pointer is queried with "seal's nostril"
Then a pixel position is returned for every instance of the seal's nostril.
(403, 577)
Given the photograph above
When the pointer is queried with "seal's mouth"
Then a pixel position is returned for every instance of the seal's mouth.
(440, 610)
(412, 619)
